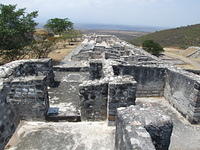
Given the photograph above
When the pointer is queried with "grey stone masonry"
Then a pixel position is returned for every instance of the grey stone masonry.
(142, 128)
(121, 93)
(8, 119)
(32, 67)
(93, 100)
(182, 90)
(96, 69)
(150, 78)
(29, 96)
(23, 93)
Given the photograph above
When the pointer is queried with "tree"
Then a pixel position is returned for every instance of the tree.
(58, 26)
(71, 36)
(152, 47)
(16, 30)
(40, 49)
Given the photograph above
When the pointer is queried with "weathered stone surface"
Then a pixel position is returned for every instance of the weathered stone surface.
(96, 69)
(64, 98)
(64, 136)
(93, 100)
(121, 93)
(182, 90)
(142, 128)
(29, 96)
(72, 66)
(23, 93)
(32, 67)
(108, 75)
(8, 119)
(150, 79)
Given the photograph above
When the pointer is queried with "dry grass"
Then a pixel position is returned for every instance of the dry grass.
(181, 54)
(59, 54)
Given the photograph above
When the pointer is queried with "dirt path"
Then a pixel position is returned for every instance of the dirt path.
(59, 54)
(174, 53)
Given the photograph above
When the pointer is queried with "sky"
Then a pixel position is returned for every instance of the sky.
(162, 13)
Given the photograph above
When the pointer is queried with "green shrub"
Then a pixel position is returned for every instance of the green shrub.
(16, 31)
(152, 47)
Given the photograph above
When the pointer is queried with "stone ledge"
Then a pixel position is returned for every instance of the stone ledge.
(142, 127)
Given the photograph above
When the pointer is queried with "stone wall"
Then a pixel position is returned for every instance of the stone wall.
(8, 119)
(29, 97)
(182, 90)
(150, 78)
(142, 127)
(121, 93)
(93, 100)
(32, 67)
(23, 93)
(96, 69)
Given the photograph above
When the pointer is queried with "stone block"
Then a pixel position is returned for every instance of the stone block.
(93, 101)
(29, 96)
(142, 127)
(121, 93)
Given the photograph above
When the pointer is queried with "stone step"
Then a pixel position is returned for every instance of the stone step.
(56, 116)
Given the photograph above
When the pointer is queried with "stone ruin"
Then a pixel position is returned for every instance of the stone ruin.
(108, 76)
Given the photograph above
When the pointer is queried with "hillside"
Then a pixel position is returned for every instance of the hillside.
(182, 37)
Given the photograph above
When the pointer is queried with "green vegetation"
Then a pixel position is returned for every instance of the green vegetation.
(40, 49)
(20, 39)
(152, 47)
(16, 30)
(71, 36)
(182, 37)
(58, 26)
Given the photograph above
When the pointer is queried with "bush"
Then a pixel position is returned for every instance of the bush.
(16, 31)
(152, 47)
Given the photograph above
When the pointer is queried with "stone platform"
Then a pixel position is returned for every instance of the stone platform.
(63, 136)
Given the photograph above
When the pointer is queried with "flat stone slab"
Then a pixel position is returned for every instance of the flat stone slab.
(63, 136)
(185, 136)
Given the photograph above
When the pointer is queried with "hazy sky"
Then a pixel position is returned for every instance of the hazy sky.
(164, 13)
